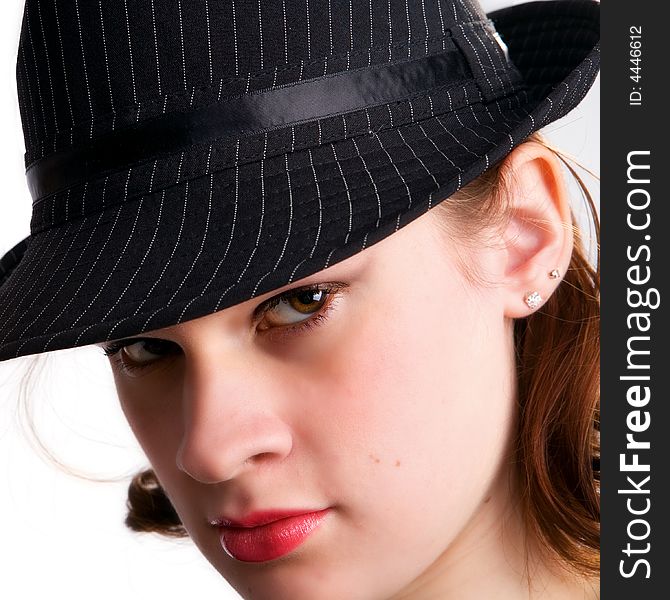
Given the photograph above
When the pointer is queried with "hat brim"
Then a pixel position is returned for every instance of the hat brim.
(178, 254)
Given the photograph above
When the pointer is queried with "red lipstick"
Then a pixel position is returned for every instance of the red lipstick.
(267, 535)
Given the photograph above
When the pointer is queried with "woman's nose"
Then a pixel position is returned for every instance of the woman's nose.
(230, 424)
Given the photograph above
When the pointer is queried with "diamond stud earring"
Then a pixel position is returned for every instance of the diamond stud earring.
(555, 274)
(533, 299)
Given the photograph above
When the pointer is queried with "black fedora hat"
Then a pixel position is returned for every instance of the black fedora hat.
(184, 157)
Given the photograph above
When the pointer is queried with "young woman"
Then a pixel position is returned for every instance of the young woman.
(348, 313)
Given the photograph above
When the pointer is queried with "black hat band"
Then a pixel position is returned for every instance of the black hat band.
(245, 115)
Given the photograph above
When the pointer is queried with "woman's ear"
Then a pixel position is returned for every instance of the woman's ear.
(538, 238)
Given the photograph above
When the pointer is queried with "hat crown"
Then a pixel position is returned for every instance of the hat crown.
(86, 68)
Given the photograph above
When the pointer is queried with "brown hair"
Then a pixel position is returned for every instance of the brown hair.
(557, 444)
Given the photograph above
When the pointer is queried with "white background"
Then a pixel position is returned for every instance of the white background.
(63, 536)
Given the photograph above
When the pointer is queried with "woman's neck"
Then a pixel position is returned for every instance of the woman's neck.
(493, 558)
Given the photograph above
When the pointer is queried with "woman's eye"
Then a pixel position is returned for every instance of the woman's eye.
(299, 309)
(139, 353)
(145, 351)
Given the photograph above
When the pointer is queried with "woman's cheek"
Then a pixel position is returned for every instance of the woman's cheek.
(152, 407)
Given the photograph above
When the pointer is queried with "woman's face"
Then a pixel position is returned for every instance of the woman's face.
(393, 415)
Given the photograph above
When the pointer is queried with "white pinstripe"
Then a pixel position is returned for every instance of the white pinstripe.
(104, 191)
(83, 198)
(158, 65)
(37, 78)
(19, 285)
(476, 118)
(104, 47)
(372, 42)
(351, 31)
(260, 29)
(130, 52)
(346, 187)
(230, 238)
(309, 37)
(388, 108)
(409, 195)
(467, 9)
(283, 6)
(439, 10)
(51, 83)
(30, 93)
(290, 279)
(409, 30)
(318, 194)
(83, 58)
(181, 161)
(511, 142)
(237, 60)
(402, 137)
(181, 37)
(76, 294)
(374, 184)
(67, 205)
(44, 287)
(390, 30)
(290, 222)
(453, 6)
(153, 239)
(202, 241)
(258, 238)
(165, 266)
(479, 60)
(456, 139)
(330, 27)
(137, 270)
(453, 164)
(116, 264)
(125, 187)
(495, 70)
(425, 23)
(151, 180)
(209, 43)
(325, 266)
(209, 157)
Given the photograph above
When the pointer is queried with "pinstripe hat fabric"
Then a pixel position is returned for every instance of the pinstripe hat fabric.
(184, 157)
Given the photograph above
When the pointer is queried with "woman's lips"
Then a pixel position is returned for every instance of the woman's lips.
(266, 536)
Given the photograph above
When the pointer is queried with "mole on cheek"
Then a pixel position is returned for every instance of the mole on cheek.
(397, 463)
(374, 458)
